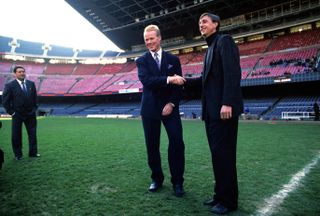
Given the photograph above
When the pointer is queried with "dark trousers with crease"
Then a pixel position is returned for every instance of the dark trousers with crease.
(152, 131)
(222, 138)
(16, 137)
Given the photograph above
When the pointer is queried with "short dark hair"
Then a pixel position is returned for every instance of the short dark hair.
(17, 67)
(213, 17)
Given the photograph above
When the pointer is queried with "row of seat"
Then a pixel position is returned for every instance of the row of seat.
(262, 108)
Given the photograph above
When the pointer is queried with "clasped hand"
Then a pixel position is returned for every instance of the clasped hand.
(176, 80)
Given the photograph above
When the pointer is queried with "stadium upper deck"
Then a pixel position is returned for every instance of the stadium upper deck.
(285, 52)
(261, 59)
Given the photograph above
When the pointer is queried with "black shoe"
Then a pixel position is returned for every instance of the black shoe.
(211, 202)
(34, 155)
(178, 190)
(154, 186)
(221, 209)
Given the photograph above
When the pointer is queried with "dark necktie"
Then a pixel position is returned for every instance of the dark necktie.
(24, 88)
(156, 58)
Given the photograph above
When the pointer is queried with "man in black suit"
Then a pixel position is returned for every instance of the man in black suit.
(157, 69)
(221, 106)
(20, 101)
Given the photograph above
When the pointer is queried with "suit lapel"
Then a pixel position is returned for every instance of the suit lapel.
(17, 85)
(164, 63)
(209, 59)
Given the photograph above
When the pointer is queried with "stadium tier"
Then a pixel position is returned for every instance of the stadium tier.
(288, 55)
(26, 47)
(60, 69)
(60, 51)
(254, 108)
(4, 44)
(294, 40)
(86, 69)
(292, 105)
(254, 47)
(110, 69)
(6, 66)
(89, 54)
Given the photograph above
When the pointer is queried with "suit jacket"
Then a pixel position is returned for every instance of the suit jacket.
(156, 92)
(15, 101)
(221, 78)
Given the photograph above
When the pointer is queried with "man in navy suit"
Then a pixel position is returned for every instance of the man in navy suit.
(20, 101)
(157, 70)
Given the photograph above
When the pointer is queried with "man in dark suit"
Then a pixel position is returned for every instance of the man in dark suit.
(20, 101)
(157, 69)
(221, 106)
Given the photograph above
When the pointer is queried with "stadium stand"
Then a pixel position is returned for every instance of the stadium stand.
(86, 69)
(2, 82)
(128, 67)
(295, 104)
(57, 84)
(4, 44)
(110, 81)
(289, 55)
(110, 69)
(60, 69)
(5, 66)
(253, 47)
(89, 54)
(88, 84)
(26, 47)
(293, 40)
(60, 51)
(248, 62)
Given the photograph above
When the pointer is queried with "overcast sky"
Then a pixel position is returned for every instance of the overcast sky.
(50, 21)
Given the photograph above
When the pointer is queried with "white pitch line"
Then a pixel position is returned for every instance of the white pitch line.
(272, 203)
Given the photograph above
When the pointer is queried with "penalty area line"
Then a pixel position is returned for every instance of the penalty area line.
(273, 202)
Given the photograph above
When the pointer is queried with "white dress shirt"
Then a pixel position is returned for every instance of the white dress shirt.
(20, 83)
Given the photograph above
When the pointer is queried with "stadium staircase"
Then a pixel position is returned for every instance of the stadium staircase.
(100, 86)
(77, 80)
(40, 83)
(270, 109)
(82, 109)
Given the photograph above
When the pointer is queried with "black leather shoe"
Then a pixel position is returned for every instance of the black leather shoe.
(211, 202)
(35, 155)
(220, 209)
(178, 190)
(154, 186)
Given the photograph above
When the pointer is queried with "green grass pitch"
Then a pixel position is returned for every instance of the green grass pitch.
(98, 167)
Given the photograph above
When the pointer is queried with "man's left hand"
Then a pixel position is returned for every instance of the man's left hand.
(226, 112)
(167, 109)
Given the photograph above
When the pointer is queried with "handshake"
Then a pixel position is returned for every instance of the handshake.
(176, 80)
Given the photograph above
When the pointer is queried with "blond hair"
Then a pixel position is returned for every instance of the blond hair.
(150, 28)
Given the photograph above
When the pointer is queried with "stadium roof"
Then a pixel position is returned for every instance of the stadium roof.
(123, 21)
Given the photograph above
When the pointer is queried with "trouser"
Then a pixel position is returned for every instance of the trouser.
(222, 138)
(152, 131)
(16, 137)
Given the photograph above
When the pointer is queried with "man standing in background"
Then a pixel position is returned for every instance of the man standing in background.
(20, 101)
